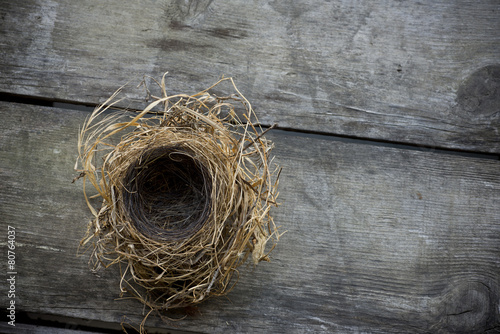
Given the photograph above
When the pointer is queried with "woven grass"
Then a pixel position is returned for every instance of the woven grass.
(186, 194)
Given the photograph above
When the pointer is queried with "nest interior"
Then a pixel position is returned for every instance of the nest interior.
(186, 194)
(167, 193)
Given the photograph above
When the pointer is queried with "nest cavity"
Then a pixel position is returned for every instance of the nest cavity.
(187, 185)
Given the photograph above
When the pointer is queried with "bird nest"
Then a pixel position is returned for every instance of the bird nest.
(187, 185)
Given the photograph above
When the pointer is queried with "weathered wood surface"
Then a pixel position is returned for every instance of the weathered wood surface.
(425, 73)
(34, 329)
(380, 240)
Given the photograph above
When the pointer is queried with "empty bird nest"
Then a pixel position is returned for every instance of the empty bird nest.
(187, 185)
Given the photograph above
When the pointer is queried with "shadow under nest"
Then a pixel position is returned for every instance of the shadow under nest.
(186, 194)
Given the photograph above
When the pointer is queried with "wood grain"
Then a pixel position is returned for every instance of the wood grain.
(379, 239)
(423, 73)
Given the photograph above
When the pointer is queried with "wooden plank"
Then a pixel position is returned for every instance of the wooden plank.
(380, 240)
(34, 329)
(27, 323)
(424, 73)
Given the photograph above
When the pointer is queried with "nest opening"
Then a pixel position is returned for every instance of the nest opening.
(167, 194)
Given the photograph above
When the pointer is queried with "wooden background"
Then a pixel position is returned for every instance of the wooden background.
(388, 119)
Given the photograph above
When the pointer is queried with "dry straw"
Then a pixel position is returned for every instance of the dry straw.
(186, 186)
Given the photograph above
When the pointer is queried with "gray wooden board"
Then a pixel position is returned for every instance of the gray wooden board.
(34, 329)
(57, 324)
(425, 73)
(379, 239)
